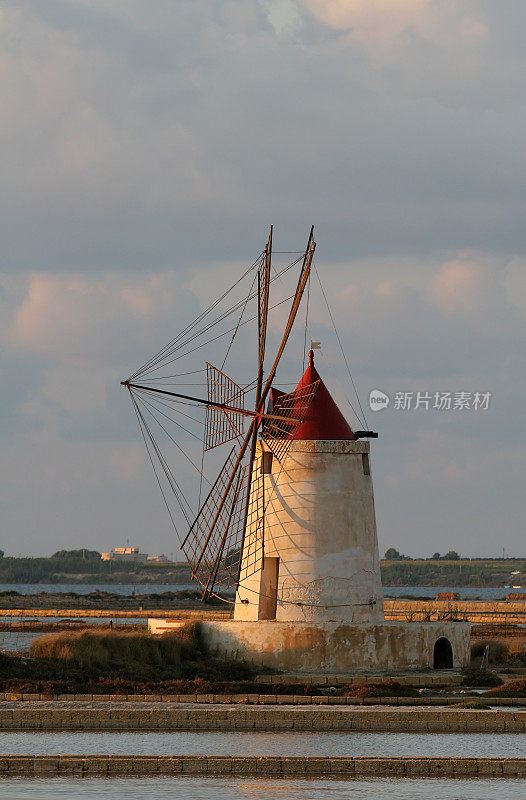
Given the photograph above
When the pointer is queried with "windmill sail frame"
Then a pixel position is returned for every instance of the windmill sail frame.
(215, 541)
(222, 425)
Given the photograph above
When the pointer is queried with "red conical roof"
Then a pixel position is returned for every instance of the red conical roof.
(324, 419)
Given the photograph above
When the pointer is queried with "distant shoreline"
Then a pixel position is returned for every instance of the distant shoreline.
(71, 569)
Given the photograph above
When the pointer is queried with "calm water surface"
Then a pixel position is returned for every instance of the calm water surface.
(466, 592)
(197, 788)
(17, 640)
(266, 743)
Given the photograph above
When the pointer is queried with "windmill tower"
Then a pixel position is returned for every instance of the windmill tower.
(320, 560)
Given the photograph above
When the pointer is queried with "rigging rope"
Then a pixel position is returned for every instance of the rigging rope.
(179, 341)
(220, 335)
(176, 489)
(306, 324)
(341, 346)
(137, 413)
(176, 344)
(239, 321)
(340, 384)
(201, 476)
(150, 411)
(192, 325)
(177, 375)
(142, 392)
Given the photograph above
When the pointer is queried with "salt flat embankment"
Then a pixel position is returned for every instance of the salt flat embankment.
(154, 716)
(269, 766)
(475, 611)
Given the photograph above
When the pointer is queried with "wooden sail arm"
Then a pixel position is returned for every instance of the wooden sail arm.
(263, 391)
(213, 573)
(302, 282)
(263, 299)
(223, 406)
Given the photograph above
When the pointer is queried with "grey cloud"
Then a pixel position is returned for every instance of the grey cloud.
(132, 159)
(147, 139)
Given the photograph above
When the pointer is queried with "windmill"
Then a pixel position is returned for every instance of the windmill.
(289, 520)
(215, 541)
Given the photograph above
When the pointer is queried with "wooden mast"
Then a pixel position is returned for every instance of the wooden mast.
(252, 432)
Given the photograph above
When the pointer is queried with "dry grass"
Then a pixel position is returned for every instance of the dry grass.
(387, 688)
(111, 650)
(479, 678)
(480, 704)
(516, 688)
(501, 651)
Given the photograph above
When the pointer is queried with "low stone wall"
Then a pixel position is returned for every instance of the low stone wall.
(264, 699)
(415, 679)
(333, 647)
(269, 766)
(113, 613)
(156, 716)
(475, 611)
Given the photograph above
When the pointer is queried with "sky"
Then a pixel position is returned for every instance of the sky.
(146, 149)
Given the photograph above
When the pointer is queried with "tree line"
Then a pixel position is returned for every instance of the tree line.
(392, 554)
(85, 566)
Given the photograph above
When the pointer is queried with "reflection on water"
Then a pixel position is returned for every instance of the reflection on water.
(196, 788)
(266, 743)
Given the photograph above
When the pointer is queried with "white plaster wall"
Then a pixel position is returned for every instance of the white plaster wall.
(332, 648)
(320, 522)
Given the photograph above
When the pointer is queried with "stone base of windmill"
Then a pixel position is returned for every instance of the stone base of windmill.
(335, 647)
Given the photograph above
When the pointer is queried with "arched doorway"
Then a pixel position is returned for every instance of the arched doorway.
(443, 654)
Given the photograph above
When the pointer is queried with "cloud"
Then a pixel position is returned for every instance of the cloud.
(459, 286)
(404, 326)
(134, 135)
(516, 283)
(380, 24)
(368, 15)
(146, 149)
(67, 342)
(96, 319)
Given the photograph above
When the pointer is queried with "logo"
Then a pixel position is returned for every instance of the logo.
(430, 400)
(378, 400)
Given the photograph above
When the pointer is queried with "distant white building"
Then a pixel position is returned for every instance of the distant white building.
(132, 554)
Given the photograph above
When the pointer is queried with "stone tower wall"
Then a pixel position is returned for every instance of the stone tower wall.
(320, 523)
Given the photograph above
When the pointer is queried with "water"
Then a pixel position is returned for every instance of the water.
(256, 743)
(11, 641)
(198, 788)
(466, 592)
